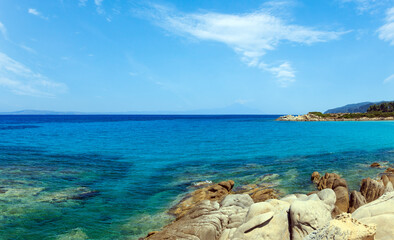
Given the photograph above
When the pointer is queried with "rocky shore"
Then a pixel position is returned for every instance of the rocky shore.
(333, 211)
(311, 117)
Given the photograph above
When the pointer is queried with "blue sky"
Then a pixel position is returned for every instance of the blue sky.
(162, 55)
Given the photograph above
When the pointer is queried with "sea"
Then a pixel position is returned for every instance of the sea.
(115, 176)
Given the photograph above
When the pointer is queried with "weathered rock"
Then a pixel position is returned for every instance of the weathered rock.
(258, 192)
(339, 185)
(265, 220)
(371, 189)
(214, 192)
(356, 201)
(375, 165)
(310, 213)
(345, 228)
(389, 170)
(208, 219)
(315, 177)
(381, 213)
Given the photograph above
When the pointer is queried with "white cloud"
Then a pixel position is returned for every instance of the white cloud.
(371, 6)
(389, 79)
(251, 35)
(99, 7)
(3, 30)
(386, 32)
(21, 80)
(36, 13)
(82, 3)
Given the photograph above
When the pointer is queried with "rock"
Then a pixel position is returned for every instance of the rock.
(344, 227)
(375, 165)
(310, 213)
(75, 234)
(240, 200)
(315, 177)
(356, 201)
(78, 193)
(371, 189)
(389, 170)
(339, 185)
(265, 220)
(258, 192)
(208, 219)
(381, 213)
(215, 192)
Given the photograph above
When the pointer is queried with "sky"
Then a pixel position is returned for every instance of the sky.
(271, 57)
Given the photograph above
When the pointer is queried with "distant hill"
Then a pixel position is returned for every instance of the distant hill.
(353, 108)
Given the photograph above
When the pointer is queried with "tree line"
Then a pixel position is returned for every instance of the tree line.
(382, 107)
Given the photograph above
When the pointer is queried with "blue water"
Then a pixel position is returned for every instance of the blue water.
(136, 167)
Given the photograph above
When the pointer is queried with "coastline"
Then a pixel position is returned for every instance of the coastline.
(316, 117)
(220, 211)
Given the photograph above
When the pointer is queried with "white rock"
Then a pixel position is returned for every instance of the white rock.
(311, 213)
(381, 213)
(241, 200)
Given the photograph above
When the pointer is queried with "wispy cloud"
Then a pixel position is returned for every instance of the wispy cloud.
(371, 6)
(386, 32)
(251, 35)
(82, 3)
(3, 30)
(389, 79)
(99, 7)
(36, 13)
(21, 80)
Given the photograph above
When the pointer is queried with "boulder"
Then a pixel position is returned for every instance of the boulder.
(264, 220)
(356, 201)
(389, 170)
(381, 213)
(344, 227)
(215, 192)
(372, 189)
(375, 165)
(258, 192)
(208, 219)
(339, 185)
(310, 213)
(315, 177)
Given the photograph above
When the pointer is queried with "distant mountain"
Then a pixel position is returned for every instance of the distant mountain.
(353, 108)
(231, 109)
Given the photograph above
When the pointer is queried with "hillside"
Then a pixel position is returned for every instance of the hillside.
(353, 108)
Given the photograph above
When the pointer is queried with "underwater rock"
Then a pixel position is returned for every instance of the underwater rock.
(79, 193)
(75, 234)
(344, 227)
(215, 192)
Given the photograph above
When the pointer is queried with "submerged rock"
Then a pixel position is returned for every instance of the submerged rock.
(381, 213)
(344, 227)
(78, 193)
(214, 192)
(75, 234)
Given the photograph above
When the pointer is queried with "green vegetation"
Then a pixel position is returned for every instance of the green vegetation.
(387, 107)
(372, 114)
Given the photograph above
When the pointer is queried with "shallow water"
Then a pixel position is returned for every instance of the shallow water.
(113, 177)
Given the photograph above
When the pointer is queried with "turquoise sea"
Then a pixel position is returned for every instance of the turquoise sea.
(113, 177)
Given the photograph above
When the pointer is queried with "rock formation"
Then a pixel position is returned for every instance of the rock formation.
(344, 227)
(381, 213)
(215, 192)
